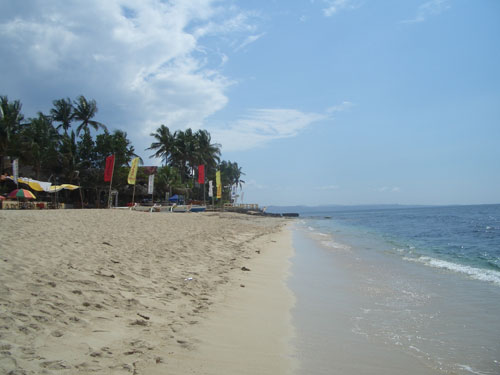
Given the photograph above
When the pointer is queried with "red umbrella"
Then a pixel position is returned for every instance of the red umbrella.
(21, 193)
(2, 198)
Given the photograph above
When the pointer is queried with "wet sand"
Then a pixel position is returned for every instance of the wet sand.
(327, 287)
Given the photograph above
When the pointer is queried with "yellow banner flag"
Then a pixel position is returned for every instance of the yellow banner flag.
(219, 185)
(133, 171)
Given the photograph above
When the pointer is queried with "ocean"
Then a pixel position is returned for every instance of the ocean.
(411, 289)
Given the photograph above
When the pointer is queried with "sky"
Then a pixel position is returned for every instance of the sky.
(319, 101)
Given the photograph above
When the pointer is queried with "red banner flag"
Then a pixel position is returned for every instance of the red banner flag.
(108, 171)
(201, 174)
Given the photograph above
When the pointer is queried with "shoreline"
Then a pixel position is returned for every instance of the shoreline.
(326, 315)
(118, 292)
(363, 309)
(250, 330)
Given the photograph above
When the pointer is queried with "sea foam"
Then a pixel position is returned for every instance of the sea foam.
(473, 272)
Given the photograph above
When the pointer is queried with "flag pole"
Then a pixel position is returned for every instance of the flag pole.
(110, 183)
(133, 195)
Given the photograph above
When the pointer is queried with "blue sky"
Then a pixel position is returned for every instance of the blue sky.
(320, 102)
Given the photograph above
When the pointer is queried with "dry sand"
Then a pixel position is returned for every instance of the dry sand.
(124, 292)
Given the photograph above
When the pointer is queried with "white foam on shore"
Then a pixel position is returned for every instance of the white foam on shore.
(473, 272)
(326, 240)
(470, 370)
(335, 245)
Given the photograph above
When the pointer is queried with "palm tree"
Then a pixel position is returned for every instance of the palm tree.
(40, 143)
(207, 153)
(10, 124)
(231, 174)
(168, 178)
(63, 113)
(164, 141)
(184, 152)
(69, 156)
(84, 111)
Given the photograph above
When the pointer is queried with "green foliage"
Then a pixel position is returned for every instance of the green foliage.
(163, 144)
(75, 156)
(84, 111)
(167, 178)
(63, 113)
(10, 126)
(185, 150)
(40, 144)
(117, 144)
(230, 175)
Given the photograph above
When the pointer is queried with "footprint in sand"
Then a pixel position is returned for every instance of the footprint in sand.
(55, 365)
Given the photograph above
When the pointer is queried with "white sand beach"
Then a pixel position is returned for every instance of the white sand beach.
(124, 292)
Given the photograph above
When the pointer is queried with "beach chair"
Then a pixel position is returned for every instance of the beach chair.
(155, 208)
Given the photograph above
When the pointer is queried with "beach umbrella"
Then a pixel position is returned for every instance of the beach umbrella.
(21, 193)
(2, 197)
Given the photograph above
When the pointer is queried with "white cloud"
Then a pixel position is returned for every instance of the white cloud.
(144, 62)
(428, 9)
(263, 125)
(328, 187)
(250, 39)
(394, 189)
(334, 6)
(344, 106)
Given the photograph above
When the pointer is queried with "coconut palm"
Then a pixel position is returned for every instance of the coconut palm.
(40, 142)
(231, 174)
(63, 113)
(207, 153)
(184, 152)
(10, 125)
(69, 156)
(84, 111)
(164, 141)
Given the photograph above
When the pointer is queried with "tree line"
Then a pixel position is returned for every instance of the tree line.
(61, 147)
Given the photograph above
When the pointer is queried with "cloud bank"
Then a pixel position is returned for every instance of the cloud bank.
(146, 63)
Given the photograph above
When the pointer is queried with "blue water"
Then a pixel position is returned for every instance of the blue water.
(462, 239)
(395, 284)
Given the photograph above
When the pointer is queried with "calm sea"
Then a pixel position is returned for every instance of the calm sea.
(462, 239)
(422, 281)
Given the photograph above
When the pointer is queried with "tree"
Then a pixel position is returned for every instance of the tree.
(168, 178)
(207, 153)
(163, 145)
(68, 153)
(117, 144)
(86, 154)
(183, 152)
(63, 113)
(84, 111)
(230, 175)
(40, 142)
(10, 125)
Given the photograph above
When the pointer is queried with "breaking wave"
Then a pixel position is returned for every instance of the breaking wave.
(473, 272)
